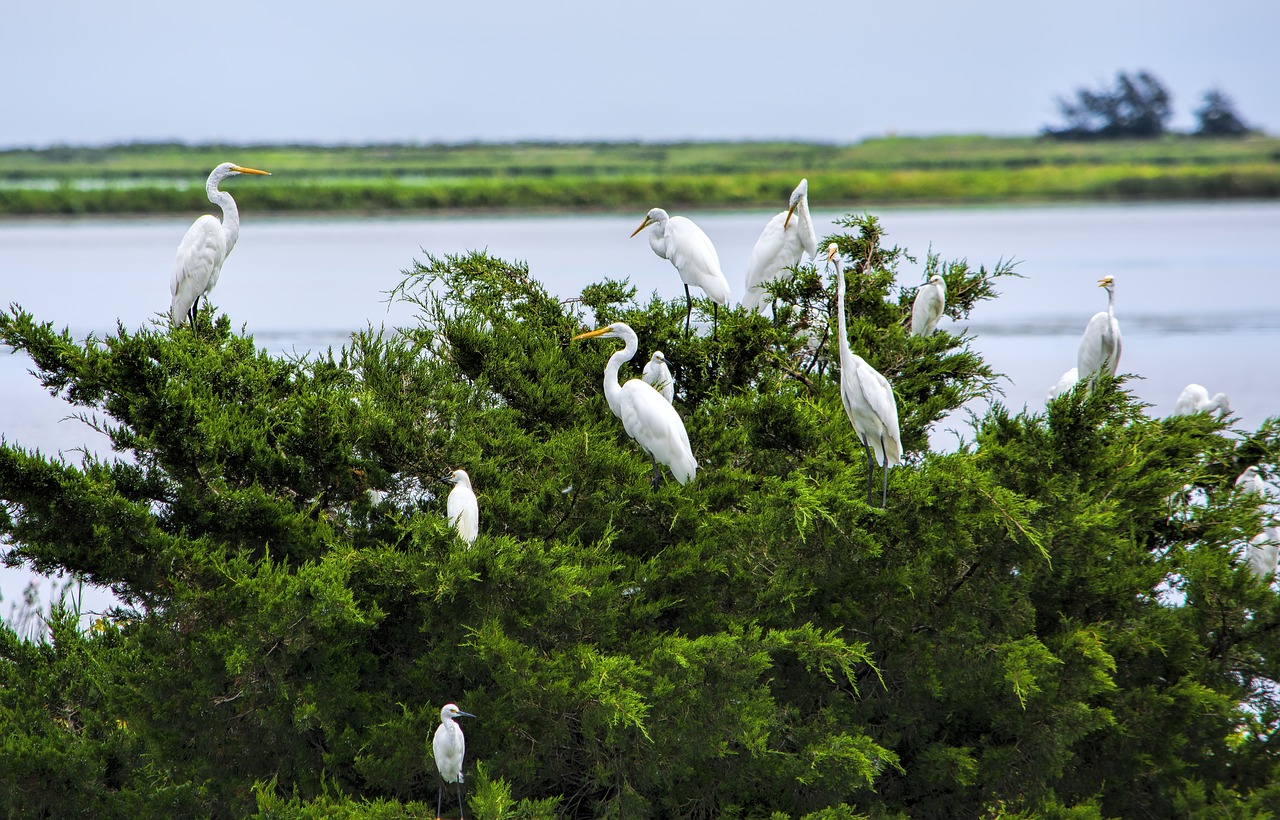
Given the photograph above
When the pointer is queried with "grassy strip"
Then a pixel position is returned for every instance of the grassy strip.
(836, 188)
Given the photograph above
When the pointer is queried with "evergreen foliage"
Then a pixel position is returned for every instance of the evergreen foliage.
(1217, 116)
(1137, 106)
(1052, 621)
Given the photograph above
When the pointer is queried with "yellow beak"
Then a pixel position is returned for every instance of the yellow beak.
(647, 222)
(787, 221)
(591, 334)
(250, 170)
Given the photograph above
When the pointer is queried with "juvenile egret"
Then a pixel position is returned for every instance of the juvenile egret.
(449, 746)
(1195, 399)
(1264, 549)
(782, 244)
(463, 510)
(1100, 345)
(926, 311)
(205, 247)
(646, 416)
(1065, 383)
(685, 246)
(657, 374)
(867, 397)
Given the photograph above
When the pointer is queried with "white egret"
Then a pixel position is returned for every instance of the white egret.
(782, 244)
(1250, 482)
(926, 311)
(689, 249)
(646, 416)
(449, 746)
(1195, 399)
(657, 374)
(1065, 383)
(204, 248)
(1100, 345)
(867, 397)
(462, 507)
(1264, 549)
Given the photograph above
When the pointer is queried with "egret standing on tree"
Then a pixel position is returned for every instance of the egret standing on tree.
(205, 247)
(926, 311)
(685, 246)
(1100, 345)
(646, 416)
(1195, 399)
(449, 747)
(786, 238)
(462, 507)
(867, 397)
(657, 374)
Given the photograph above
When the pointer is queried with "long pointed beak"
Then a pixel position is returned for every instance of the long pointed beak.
(591, 334)
(647, 222)
(465, 714)
(250, 171)
(787, 221)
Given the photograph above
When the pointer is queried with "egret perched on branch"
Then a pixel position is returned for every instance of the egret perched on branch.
(1264, 549)
(1065, 383)
(1195, 399)
(1250, 482)
(205, 247)
(462, 507)
(646, 416)
(684, 245)
(449, 746)
(657, 374)
(867, 397)
(1100, 345)
(926, 311)
(782, 244)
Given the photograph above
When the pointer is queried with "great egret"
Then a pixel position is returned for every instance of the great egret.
(1195, 399)
(646, 416)
(449, 746)
(867, 397)
(1264, 549)
(1100, 345)
(204, 248)
(926, 311)
(657, 374)
(689, 249)
(782, 244)
(1065, 383)
(463, 510)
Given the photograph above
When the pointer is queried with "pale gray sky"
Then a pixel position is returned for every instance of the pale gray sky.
(829, 70)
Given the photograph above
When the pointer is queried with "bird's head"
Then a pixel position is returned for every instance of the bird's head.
(457, 477)
(451, 711)
(1107, 282)
(230, 169)
(617, 330)
(801, 191)
(658, 357)
(832, 253)
(936, 280)
(654, 215)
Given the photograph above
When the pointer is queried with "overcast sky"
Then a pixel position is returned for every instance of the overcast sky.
(828, 70)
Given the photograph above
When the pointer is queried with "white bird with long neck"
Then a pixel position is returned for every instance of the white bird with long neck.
(657, 374)
(462, 507)
(927, 309)
(205, 247)
(449, 746)
(786, 238)
(689, 249)
(1195, 399)
(867, 397)
(1100, 345)
(646, 415)
(1263, 552)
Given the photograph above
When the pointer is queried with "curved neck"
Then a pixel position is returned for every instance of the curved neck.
(230, 213)
(1111, 304)
(846, 355)
(612, 389)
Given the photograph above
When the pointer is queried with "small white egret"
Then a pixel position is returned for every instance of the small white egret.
(1065, 383)
(689, 249)
(1100, 345)
(205, 247)
(1264, 549)
(867, 397)
(449, 747)
(463, 509)
(1251, 483)
(782, 244)
(1195, 399)
(646, 416)
(657, 374)
(926, 311)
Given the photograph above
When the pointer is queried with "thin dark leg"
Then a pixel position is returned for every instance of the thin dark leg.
(884, 495)
(462, 815)
(688, 298)
(871, 463)
(439, 796)
(656, 475)
(715, 318)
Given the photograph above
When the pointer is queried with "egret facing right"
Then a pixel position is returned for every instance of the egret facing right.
(689, 249)
(204, 248)
(449, 747)
(782, 244)
(927, 309)
(1100, 345)
(1195, 399)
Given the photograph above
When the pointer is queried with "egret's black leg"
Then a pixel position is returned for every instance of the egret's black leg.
(688, 298)
(656, 475)
(462, 815)
(884, 495)
(871, 464)
(715, 318)
(439, 796)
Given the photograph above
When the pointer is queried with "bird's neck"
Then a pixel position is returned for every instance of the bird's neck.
(846, 355)
(1111, 304)
(612, 389)
(230, 213)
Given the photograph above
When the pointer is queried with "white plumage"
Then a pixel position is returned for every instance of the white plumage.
(926, 311)
(1264, 549)
(449, 747)
(782, 244)
(1100, 345)
(1065, 383)
(867, 397)
(657, 374)
(689, 249)
(646, 415)
(1250, 482)
(205, 247)
(463, 509)
(1195, 399)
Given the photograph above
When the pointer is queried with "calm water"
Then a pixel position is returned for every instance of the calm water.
(1197, 288)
